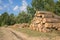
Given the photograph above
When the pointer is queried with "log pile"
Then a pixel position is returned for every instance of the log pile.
(21, 25)
(45, 21)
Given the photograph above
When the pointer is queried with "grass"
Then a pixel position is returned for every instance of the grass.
(38, 34)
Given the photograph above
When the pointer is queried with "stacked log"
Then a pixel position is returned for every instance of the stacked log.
(57, 25)
(51, 20)
(44, 21)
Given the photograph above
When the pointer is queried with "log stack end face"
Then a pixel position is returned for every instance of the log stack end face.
(45, 21)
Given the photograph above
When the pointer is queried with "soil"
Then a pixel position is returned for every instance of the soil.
(10, 34)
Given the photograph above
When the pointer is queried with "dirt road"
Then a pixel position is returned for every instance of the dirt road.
(10, 34)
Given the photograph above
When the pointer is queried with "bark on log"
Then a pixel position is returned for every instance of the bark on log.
(51, 20)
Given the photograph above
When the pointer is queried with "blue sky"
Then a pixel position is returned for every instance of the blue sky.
(14, 6)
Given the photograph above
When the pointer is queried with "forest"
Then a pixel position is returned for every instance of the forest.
(26, 17)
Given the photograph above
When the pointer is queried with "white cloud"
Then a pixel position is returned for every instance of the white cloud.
(10, 1)
(24, 6)
(1, 8)
(15, 8)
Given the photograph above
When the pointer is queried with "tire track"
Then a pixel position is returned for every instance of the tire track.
(10, 34)
(19, 37)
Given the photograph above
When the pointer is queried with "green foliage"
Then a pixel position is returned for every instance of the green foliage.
(11, 19)
(0, 20)
(31, 11)
(23, 18)
(43, 5)
(6, 19)
(57, 8)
